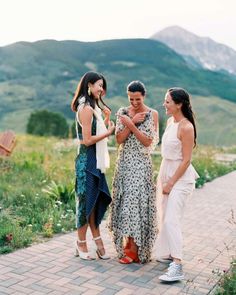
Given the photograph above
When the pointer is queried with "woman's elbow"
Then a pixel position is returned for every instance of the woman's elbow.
(119, 140)
(187, 162)
(87, 142)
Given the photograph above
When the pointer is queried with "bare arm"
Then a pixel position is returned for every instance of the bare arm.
(130, 127)
(86, 115)
(107, 113)
(121, 136)
(187, 139)
(144, 139)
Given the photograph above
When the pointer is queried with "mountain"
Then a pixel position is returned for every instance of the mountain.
(197, 50)
(44, 75)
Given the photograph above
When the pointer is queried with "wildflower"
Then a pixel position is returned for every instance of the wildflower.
(9, 237)
(47, 225)
(58, 203)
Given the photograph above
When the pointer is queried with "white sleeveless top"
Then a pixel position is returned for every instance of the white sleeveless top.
(171, 147)
(171, 151)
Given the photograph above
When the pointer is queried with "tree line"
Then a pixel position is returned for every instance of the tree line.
(46, 123)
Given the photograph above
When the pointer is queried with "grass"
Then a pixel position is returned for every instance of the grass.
(227, 281)
(37, 188)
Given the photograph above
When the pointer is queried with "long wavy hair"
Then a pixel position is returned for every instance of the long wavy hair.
(180, 95)
(82, 91)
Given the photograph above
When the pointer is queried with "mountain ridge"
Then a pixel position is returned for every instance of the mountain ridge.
(206, 52)
(44, 74)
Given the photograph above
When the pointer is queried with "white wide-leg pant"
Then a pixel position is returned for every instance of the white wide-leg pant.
(171, 209)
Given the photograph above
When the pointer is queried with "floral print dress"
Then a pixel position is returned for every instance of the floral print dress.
(133, 209)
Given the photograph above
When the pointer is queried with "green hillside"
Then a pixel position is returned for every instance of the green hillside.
(215, 120)
(43, 74)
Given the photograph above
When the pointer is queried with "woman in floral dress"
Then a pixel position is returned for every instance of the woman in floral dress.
(132, 219)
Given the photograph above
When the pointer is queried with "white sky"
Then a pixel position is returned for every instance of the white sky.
(93, 20)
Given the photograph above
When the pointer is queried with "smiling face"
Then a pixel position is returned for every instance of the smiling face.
(97, 88)
(171, 107)
(136, 100)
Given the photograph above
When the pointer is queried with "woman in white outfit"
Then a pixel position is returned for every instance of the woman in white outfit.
(176, 179)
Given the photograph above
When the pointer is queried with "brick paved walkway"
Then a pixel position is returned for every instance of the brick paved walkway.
(51, 268)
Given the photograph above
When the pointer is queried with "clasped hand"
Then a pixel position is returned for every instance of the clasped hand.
(128, 122)
(166, 189)
(139, 117)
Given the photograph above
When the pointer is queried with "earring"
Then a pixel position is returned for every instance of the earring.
(89, 91)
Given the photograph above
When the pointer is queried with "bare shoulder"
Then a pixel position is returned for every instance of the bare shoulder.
(87, 108)
(186, 124)
(154, 113)
(186, 127)
(86, 113)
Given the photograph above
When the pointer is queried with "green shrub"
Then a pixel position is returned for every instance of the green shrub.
(12, 234)
(60, 192)
(208, 169)
(47, 123)
(73, 130)
(227, 284)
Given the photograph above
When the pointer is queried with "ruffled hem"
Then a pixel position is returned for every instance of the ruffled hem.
(91, 188)
(168, 168)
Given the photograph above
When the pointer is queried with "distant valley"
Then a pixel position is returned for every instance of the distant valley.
(44, 75)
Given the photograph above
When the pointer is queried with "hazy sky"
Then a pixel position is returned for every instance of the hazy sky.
(93, 20)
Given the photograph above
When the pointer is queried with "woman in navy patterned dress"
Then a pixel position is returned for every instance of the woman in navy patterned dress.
(91, 188)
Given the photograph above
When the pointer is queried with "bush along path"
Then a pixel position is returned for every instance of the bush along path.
(209, 246)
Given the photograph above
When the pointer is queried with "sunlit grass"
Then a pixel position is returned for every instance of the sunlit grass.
(37, 182)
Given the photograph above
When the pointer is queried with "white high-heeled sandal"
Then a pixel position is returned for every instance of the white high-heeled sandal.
(104, 257)
(81, 254)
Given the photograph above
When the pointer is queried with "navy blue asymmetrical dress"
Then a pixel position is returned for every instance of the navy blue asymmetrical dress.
(90, 185)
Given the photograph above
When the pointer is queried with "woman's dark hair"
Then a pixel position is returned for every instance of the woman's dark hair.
(180, 95)
(136, 86)
(82, 90)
